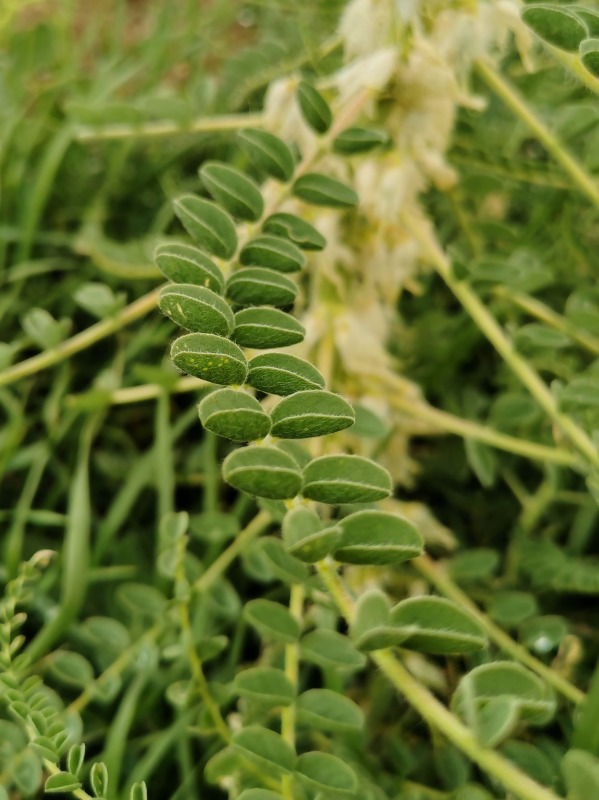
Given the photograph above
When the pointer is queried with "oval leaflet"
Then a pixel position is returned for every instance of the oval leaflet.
(210, 357)
(263, 471)
(235, 415)
(196, 308)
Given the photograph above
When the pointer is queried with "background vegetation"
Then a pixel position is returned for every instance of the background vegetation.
(465, 288)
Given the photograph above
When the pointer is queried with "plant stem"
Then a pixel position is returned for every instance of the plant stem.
(80, 341)
(473, 430)
(487, 323)
(431, 710)
(573, 64)
(296, 603)
(226, 558)
(553, 146)
(144, 130)
(443, 583)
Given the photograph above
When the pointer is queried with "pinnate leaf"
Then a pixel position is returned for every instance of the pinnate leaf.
(184, 263)
(265, 685)
(315, 108)
(558, 26)
(377, 537)
(262, 327)
(345, 479)
(311, 413)
(438, 626)
(254, 286)
(208, 224)
(268, 152)
(272, 252)
(296, 229)
(237, 192)
(320, 190)
(235, 415)
(282, 374)
(210, 357)
(196, 309)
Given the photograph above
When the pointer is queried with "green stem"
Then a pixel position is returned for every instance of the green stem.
(573, 64)
(443, 584)
(489, 326)
(226, 558)
(145, 130)
(553, 146)
(432, 711)
(80, 341)
(296, 604)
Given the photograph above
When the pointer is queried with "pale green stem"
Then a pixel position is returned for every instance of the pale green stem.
(573, 64)
(434, 712)
(539, 310)
(296, 603)
(554, 147)
(443, 584)
(80, 341)
(487, 323)
(474, 430)
(144, 130)
(226, 558)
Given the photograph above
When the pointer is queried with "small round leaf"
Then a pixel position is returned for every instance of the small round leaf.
(210, 357)
(259, 794)
(62, 782)
(438, 626)
(330, 650)
(589, 55)
(263, 471)
(238, 193)
(254, 286)
(268, 152)
(284, 565)
(345, 479)
(353, 141)
(262, 327)
(377, 537)
(558, 26)
(272, 252)
(208, 224)
(296, 229)
(183, 263)
(325, 710)
(311, 413)
(265, 685)
(315, 108)
(282, 374)
(323, 772)
(305, 536)
(266, 748)
(320, 190)
(196, 309)
(235, 415)
(272, 620)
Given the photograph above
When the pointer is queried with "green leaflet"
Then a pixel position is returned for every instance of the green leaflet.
(62, 782)
(533, 698)
(372, 628)
(306, 537)
(272, 252)
(265, 685)
(210, 357)
(183, 263)
(320, 190)
(259, 794)
(510, 608)
(353, 141)
(71, 669)
(589, 55)
(268, 152)
(296, 229)
(438, 626)
(196, 309)
(325, 710)
(262, 327)
(265, 748)
(581, 774)
(237, 192)
(272, 620)
(254, 286)
(377, 537)
(281, 562)
(98, 778)
(315, 108)
(590, 19)
(311, 413)
(208, 224)
(558, 26)
(345, 479)
(235, 415)
(283, 374)
(323, 772)
(330, 650)
(263, 471)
